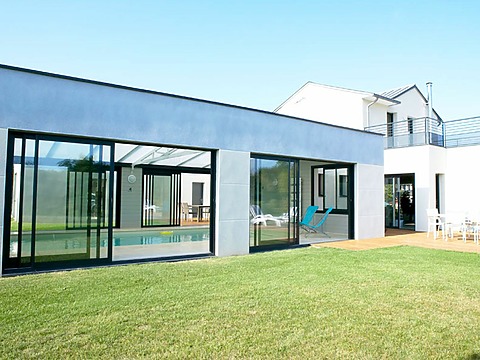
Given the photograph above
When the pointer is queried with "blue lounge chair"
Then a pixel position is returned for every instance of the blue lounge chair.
(308, 217)
(315, 228)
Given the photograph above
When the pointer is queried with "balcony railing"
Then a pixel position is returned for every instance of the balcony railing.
(462, 132)
(411, 132)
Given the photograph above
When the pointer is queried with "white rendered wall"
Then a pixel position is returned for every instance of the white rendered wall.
(462, 193)
(424, 162)
(327, 104)
(369, 202)
(377, 114)
(3, 165)
(232, 203)
(412, 105)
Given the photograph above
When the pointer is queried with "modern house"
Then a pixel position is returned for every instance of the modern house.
(426, 159)
(97, 174)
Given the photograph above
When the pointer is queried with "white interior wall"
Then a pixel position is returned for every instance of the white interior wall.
(187, 181)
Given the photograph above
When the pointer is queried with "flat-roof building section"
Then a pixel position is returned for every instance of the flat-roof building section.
(52, 103)
(97, 173)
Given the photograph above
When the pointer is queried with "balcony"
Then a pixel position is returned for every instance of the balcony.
(462, 132)
(411, 132)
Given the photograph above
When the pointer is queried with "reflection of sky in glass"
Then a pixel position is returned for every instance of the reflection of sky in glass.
(65, 150)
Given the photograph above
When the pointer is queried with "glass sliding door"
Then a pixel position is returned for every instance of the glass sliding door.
(391, 206)
(273, 202)
(161, 199)
(18, 245)
(59, 201)
(333, 187)
(400, 201)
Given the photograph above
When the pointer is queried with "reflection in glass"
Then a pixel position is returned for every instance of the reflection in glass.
(273, 199)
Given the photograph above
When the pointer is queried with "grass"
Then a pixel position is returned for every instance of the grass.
(394, 303)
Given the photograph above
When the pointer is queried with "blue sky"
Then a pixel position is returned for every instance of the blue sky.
(253, 53)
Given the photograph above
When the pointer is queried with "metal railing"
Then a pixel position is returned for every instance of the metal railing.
(411, 132)
(462, 132)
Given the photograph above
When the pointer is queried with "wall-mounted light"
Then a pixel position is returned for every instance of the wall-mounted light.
(131, 178)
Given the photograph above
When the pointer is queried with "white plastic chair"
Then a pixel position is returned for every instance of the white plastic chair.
(435, 223)
(471, 225)
(259, 218)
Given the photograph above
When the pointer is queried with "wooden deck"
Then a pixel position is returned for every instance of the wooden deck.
(411, 238)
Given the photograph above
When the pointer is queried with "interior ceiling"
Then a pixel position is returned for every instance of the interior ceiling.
(166, 156)
(130, 154)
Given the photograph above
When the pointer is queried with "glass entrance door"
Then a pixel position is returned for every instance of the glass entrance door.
(161, 199)
(60, 201)
(400, 201)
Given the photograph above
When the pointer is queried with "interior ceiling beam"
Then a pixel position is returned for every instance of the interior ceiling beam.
(190, 159)
(129, 153)
(171, 155)
(146, 156)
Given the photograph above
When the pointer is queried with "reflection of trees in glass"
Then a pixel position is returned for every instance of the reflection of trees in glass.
(88, 166)
(274, 180)
(389, 204)
(83, 165)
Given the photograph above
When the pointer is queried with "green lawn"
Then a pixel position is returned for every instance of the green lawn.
(394, 303)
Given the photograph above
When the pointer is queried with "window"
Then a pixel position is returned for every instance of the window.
(321, 189)
(390, 124)
(332, 187)
(410, 125)
(343, 183)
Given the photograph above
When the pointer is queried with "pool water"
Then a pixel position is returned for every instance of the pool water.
(159, 236)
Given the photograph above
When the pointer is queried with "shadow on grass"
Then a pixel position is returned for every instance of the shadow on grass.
(474, 356)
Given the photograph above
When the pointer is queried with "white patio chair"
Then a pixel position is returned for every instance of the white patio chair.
(471, 225)
(453, 223)
(259, 218)
(435, 223)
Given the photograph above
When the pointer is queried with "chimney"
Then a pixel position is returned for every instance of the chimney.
(429, 99)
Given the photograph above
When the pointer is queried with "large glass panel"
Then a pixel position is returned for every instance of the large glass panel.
(390, 217)
(70, 212)
(400, 201)
(157, 200)
(330, 187)
(22, 199)
(161, 196)
(273, 202)
(342, 191)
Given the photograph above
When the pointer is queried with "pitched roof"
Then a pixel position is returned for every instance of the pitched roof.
(393, 93)
(367, 94)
